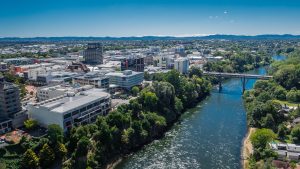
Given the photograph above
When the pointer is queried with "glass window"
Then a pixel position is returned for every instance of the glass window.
(75, 112)
(67, 115)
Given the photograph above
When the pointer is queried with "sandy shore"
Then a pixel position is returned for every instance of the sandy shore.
(247, 148)
(114, 164)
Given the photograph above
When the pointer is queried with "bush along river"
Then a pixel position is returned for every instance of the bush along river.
(208, 136)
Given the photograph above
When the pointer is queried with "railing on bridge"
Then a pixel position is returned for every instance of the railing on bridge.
(244, 77)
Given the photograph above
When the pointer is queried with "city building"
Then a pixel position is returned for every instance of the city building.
(165, 61)
(78, 67)
(11, 114)
(126, 79)
(135, 63)
(71, 109)
(96, 79)
(93, 54)
(182, 65)
(286, 150)
(3, 67)
(55, 78)
(50, 92)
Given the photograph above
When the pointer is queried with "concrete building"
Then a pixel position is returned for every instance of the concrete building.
(286, 150)
(78, 67)
(134, 63)
(96, 79)
(72, 109)
(3, 67)
(93, 54)
(46, 93)
(55, 78)
(10, 106)
(182, 65)
(126, 79)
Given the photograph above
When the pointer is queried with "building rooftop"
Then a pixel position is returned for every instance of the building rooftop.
(72, 100)
(125, 73)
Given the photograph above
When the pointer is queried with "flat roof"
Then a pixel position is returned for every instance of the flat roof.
(66, 103)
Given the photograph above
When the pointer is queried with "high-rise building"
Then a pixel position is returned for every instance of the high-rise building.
(182, 65)
(10, 104)
(93, 54)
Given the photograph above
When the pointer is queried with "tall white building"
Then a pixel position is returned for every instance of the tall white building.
(72, 109)
(182, 65)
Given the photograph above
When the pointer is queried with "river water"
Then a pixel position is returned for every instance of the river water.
(206, 137)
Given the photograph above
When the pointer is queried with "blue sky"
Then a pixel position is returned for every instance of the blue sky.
(31, 18)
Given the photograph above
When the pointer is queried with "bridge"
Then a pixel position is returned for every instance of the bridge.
(244, 77)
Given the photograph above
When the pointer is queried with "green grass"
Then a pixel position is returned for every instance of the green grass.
(290, 104)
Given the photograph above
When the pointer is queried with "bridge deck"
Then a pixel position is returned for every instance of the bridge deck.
(237, 75)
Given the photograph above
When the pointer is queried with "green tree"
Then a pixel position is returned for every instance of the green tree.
(135, 90)
(55, 134)
(282, 131)
(61, 151)
(30, 160)
(82, 146)
(195, 71)
(47, 156)
(261, 137)
(296, 132)
(30, 124)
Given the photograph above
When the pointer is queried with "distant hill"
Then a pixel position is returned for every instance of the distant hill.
(209, 37)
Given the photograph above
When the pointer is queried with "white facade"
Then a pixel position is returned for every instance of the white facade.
(126, 79)
(72, 109)
(182, 65)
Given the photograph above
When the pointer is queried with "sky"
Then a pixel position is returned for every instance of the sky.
(45, 18)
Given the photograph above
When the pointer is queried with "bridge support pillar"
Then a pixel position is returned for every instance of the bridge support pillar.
(220, 83)
(243, 79)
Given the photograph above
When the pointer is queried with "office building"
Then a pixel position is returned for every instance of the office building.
(182, 65)
(126, 79)
(3, 67)
(50, 92)
(71, 109)
(78, 67)
(10, 106)
(93, 54)
(96, 79)
(135, 63)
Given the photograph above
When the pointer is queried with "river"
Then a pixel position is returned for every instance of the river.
(206, 137)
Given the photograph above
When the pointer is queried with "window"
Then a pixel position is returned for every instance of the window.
(75, 112)
(67, 115)
(90, 106)
(83, 109)
(95, 104)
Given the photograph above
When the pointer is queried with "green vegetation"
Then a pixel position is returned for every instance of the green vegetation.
(30, 124)
(135, 90)
(122, 131)
(264, 108)
(238, 62)
(131, 126)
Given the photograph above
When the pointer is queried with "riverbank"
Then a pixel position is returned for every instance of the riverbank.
(247, 148)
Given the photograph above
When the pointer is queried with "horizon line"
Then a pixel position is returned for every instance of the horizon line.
(141, 36)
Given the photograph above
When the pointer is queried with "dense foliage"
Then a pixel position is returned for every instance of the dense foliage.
(239, 62)
(265, 103)
(131, 126)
